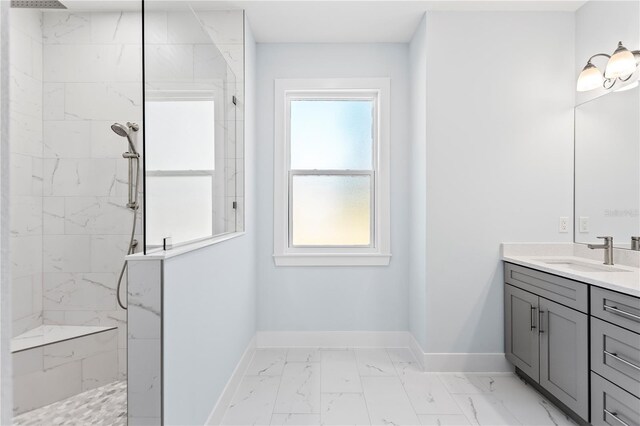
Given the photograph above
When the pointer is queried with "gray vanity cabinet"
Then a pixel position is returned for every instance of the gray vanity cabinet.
(611, 405)
(553, 324)
(521, 332)
(548, 340)
(564, 361)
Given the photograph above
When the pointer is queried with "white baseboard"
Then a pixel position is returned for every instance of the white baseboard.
(332, 339)
(459, 362)
(416, 350)
(215, 418)
(467, 363)
(431, 362)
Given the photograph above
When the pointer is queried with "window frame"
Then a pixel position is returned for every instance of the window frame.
(378, 252)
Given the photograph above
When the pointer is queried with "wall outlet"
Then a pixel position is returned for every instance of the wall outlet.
(563, 226)
(584, 224)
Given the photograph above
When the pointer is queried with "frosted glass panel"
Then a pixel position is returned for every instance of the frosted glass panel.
(331, 210)
(180, 135)
(330, 134)
(180, 207)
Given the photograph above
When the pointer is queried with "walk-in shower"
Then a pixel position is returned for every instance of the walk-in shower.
(78, 209)
(73, 73)
(130, 132)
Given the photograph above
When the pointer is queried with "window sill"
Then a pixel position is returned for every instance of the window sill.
(323, 259)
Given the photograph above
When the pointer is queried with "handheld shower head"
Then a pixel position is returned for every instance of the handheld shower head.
(125, 132)
(120, 130)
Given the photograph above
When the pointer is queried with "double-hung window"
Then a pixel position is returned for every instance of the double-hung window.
(331, 195)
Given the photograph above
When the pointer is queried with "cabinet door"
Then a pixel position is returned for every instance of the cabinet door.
(521, 334)
(564, 369)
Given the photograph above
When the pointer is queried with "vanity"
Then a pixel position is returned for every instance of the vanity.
(572, 330)
(572, 310)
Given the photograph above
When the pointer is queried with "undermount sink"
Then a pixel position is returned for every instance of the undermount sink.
(579, 266)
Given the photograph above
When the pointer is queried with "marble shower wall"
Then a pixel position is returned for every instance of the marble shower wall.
(92, 78)
(25, 109)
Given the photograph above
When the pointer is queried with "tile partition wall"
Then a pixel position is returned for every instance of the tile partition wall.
(178, 55)
(145, 342)
(26, 168)
(92, 68)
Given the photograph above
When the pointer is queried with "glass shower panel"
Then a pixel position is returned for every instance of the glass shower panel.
(176, 144)
(194, 193)
(192, 105)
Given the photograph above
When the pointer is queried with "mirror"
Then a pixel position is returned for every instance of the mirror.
(607, 168)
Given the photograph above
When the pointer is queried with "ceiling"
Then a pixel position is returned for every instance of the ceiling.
(332, 21)
(392, 21)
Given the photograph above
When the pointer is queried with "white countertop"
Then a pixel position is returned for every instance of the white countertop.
(621, 278)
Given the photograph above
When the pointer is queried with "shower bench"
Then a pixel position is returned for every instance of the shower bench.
(55, 362)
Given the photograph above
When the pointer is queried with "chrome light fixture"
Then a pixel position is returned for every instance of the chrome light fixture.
(621, 66)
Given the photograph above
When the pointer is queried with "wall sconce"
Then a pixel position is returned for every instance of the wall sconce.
(621, 66)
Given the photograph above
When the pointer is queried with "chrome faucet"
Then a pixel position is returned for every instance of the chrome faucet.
(635, 243)
(608, 249)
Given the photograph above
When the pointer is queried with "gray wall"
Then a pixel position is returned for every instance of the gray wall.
(334, 298)
(500, 95)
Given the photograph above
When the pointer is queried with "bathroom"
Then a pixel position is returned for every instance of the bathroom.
(319, 212)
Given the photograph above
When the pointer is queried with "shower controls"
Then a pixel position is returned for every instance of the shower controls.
(130, 131)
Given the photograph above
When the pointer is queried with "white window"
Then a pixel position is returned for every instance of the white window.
(331, 195)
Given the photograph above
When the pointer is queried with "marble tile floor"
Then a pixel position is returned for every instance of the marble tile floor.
(378, 387)
(106, 405)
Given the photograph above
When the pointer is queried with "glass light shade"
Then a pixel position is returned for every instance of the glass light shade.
(590, 78)
(621, 64)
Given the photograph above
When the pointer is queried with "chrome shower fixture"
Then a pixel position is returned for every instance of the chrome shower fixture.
(37, 4)
(621, 65)
(126, 132)
(130, 132)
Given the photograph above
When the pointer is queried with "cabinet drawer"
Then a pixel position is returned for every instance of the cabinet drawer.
(615, 355)
(610, 405)
(560, 290)
(617, 308)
